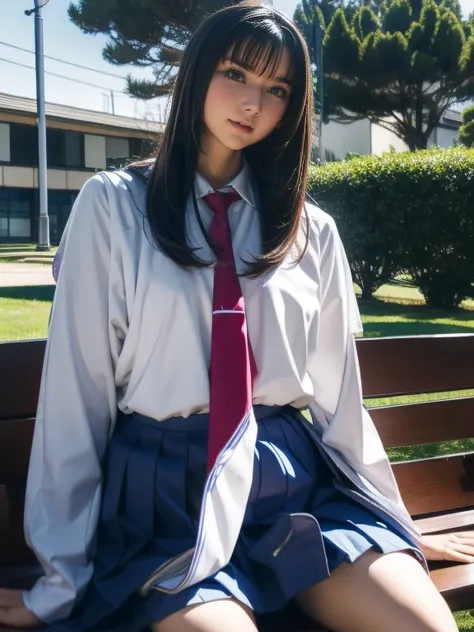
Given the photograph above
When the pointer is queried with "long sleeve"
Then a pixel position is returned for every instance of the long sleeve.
(77, 407)
(347, 426)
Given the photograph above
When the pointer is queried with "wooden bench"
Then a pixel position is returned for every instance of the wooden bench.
(439, 491)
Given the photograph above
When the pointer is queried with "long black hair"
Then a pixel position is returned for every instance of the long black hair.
(255, 36)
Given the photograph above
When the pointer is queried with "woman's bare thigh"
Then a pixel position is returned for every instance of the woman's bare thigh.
(378, 593)
(209, 616)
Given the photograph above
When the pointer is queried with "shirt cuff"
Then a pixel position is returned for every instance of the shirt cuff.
(50, 599)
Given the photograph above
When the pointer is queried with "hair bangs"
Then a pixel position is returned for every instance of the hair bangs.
(259, 48)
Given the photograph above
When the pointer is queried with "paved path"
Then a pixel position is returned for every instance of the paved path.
(20, 274)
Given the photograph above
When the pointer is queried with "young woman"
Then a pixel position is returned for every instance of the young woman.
(174, 482)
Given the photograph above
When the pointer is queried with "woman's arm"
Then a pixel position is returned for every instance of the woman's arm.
(77, 405)
(347, 425)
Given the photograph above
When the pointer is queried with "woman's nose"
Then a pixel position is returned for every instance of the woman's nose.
(253, 100)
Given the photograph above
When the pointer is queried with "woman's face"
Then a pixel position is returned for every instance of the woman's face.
(243, 107)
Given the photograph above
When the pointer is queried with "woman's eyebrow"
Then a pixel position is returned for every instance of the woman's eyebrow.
(245, 66)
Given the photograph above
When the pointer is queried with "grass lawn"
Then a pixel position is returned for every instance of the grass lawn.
(398, 311)
(465, 621)
(25, 253)
(24, 311)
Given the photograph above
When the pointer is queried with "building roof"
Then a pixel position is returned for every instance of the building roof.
(22, 105)
(452, 118)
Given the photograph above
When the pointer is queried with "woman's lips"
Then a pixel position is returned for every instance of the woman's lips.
(241, 127)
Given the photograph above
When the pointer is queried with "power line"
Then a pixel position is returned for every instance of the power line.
(68, 63)
(53, 74)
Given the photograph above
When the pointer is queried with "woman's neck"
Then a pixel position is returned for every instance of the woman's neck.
(218, 164)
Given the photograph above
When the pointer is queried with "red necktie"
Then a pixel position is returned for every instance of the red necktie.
(232, 365)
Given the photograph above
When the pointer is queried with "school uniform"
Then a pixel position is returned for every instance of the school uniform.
(123, 418)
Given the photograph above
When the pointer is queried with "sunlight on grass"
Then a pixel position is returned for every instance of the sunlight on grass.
(465, 621)
(24, 311)
(26, 253)
(406, 294)
(383, 318)
(23, 320)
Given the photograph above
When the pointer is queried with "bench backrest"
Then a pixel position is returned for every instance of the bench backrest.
(389, 367)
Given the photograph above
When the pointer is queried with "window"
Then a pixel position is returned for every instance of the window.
(3, 214)
(59, 208)
(74, 149)
(65, 149)
(117, 151)
(4, 142)
(142, 148)
(16, 206)
(24, 145)
(55, 148)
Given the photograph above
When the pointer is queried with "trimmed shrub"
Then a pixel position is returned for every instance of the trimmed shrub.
(466, 131)
(407, 212)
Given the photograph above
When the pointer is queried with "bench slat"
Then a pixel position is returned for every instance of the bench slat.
(428, 364)
(15, 447)
(456, 584)
(13, 548)
(458, 520)
(21, 365)
(427, 422)
(437, 484)
(436, 364)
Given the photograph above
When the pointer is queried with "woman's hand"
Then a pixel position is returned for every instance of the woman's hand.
(13, 611)
(449, 547)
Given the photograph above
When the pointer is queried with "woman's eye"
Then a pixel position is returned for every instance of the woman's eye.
(280, 92)
(233, 74)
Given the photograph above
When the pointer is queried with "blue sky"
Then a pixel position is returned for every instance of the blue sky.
(65, 41)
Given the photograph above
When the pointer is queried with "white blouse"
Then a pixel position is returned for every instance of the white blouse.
(131, 330)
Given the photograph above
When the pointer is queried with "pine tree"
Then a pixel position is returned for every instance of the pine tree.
(145, 33)
(401, 68)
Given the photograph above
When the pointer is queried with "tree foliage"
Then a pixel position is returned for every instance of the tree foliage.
(145, 33)
(466, 131)
(401, 65)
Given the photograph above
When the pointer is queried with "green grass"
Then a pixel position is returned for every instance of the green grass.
(24, 311)
(465, 621)
(25, 253)
(384, 318)
(16, 247)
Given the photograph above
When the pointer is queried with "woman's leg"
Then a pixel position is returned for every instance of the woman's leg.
(209, 616)
(379, 592)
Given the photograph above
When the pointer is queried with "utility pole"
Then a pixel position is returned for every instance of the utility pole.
(43, 237)
(318, 56)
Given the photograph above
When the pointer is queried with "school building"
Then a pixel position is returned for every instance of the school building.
(364, 137)
(80, 142)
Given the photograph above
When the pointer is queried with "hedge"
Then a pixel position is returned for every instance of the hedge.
(407, 212)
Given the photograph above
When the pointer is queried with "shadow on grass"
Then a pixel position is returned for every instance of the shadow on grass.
(408, 453)
(29, 292)
(402, 283)
(15, 247)
(416, 315)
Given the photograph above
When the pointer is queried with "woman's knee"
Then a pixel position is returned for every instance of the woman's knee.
(209, 616)
(379, 592)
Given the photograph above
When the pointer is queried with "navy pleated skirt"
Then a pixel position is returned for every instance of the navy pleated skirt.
(154, 475)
